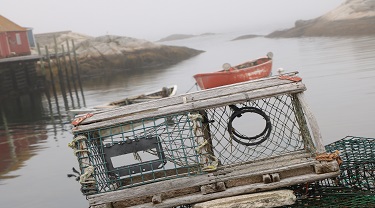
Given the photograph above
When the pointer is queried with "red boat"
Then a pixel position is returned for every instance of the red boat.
(250, 70)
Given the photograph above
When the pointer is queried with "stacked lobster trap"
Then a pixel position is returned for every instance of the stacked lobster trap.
(354, 187)
(200, 146)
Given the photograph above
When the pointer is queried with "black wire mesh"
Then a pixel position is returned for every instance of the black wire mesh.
(285, 135)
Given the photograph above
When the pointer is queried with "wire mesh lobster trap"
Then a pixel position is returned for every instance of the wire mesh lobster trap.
(202, 142)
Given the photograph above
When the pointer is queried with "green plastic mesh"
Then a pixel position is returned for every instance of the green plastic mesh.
(358, 168)
(354, 187)
(190, 143)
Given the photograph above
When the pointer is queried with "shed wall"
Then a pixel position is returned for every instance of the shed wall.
(4, 47)
(20, 46)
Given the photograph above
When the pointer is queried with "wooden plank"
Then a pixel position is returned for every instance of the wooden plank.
(196, 105)
(259, 169)
(252, 188)
(147, 189)
(313, 123)
(238, 179)
(272, 159)
(190, 97)
(188, 182)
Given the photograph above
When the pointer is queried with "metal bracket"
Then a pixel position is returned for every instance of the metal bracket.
(133, 146)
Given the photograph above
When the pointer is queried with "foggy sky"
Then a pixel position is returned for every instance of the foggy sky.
(155, 19)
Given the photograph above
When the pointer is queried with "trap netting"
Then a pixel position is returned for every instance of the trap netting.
(190, 143)
(358, 168)
(354, 187)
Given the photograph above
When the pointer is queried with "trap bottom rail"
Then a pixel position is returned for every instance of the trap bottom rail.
(261, 175)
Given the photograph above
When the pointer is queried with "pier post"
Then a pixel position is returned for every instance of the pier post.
(72, 71)
(67, 74)
(52, 79)
(78, 74)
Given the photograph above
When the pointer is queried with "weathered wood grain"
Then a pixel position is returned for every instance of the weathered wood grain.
(157, 110)
(252, 188)
(189, 97)
(313, 123)
(234, 177)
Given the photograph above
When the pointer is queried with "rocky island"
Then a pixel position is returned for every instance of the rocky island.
(109, 53)
(351, 18)
(182, 36)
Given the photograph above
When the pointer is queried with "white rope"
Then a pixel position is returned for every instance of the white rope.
(214, 161)
(72, 144)
(84, 178)
(195, 118)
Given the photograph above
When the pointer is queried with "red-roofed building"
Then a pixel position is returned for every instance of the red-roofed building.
(13, 39)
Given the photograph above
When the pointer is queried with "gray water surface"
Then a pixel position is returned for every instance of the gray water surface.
(339, 74)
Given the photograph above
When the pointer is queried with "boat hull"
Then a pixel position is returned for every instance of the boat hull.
(261, 68)
(157, 94)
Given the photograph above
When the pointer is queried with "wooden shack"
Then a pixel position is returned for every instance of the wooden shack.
(13, 39)
(237, 139)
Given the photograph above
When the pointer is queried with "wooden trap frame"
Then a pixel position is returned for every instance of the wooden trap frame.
(201, 146)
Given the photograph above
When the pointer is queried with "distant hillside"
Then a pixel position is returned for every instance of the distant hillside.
(352, 18)
(247, 37)
(181, 36)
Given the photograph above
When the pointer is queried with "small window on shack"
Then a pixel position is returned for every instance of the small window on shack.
(18, 39)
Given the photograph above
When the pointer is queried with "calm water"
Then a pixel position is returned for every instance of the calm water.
(339, 74)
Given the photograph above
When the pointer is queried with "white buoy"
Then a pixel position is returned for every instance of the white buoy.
(280, 70)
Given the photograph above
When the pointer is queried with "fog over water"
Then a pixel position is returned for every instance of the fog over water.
(34, 158)
(338, 72)
(155, 19)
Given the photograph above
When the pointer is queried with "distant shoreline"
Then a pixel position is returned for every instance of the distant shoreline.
(338, 28)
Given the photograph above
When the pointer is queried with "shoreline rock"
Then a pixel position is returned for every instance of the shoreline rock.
(182, 36)
(341, 28)
(246, 37)
(110, 53)
(352, 18)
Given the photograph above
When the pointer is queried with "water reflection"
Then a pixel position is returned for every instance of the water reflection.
(18, 145)
(18, 135)
(339, 74)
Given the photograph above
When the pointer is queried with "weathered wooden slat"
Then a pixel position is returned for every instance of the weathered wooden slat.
(306, 167)
(147, 189)
(252, 188)
(190, 97)
(268, 168)
(272, 159)
(187, 182)
(196, 105)
(313, 123)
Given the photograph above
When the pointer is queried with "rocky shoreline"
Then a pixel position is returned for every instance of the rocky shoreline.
(98, 55)
(109, 53)
(352, 18)
(349, 27)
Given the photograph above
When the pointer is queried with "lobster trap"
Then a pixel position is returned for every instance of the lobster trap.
(354, 187)
(358, 167)
(200, 146)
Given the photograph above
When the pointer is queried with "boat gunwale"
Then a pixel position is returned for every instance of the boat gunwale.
(229, 72)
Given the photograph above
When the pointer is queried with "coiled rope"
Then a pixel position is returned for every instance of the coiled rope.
(252, 140)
